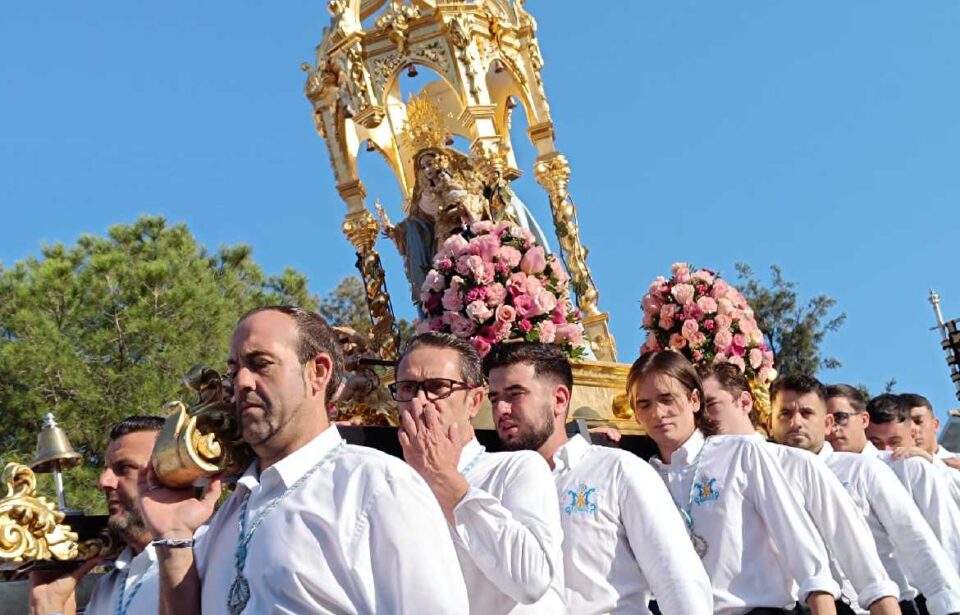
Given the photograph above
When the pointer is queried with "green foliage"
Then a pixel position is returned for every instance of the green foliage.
(346, 305)
(108, 327)
(794, 331)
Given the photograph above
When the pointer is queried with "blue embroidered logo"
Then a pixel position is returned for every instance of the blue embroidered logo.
(580, 501)
(706, 491)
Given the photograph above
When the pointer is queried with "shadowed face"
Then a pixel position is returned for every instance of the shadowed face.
(525, 406)
(890, 436)
(665, 409)
(731, 413)
(126, 456)
(925, 427)
(800, 420)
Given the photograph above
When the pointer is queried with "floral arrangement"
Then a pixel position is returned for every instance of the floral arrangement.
(708, 320)
(492, 283)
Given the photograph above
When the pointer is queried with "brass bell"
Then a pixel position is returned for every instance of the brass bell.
(54, 453)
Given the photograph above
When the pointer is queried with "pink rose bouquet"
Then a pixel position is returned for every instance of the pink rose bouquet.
(705, 318)
(493, 283)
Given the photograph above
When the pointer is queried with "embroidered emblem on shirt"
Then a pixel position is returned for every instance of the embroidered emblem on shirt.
(706, 491)
(580, 501)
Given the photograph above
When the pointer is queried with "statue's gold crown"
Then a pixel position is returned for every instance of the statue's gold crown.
(424, 126)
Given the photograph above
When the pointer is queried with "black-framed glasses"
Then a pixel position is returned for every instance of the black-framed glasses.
(433, 388)
(841, 418)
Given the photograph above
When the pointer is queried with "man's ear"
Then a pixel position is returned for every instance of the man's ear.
(746, 402)
(695, 400)
(319, 372)
(474, 401)
(561, 399)
(829, 423)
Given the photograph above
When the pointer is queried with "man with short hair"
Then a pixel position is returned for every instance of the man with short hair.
(925, 428)
(908, 547)
(501, 508)
(315, 525)
(132, 585)
(798, 427)
(618, 545)
(890, 428)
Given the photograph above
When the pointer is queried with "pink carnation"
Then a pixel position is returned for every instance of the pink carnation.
(496, 294)
(707, 305)
(485, 246)
(475, 294)
(756, 358)
(510, 255)
(689, 328)
(738, 361)
(723, 339)
(692, 312)
(525, 325)
(681, 272)
(454, 246)
(481, 345)
(547, 332)
(451, 300)
(704, 276)
(460, 325)
(559, 315)
(483, 226)
(525, 306)
(502, 329)
(434, 281)
(572, 333)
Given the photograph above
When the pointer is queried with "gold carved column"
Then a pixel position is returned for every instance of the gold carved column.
(552, 171)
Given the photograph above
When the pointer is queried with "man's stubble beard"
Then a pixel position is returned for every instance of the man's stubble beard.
(533, 439)
(130, 526)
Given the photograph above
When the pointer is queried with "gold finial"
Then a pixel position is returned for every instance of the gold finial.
(424, 126)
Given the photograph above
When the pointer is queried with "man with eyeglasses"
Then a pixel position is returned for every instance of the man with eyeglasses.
(502, 508)
(908, 548)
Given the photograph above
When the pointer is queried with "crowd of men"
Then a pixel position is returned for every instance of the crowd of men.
(851, 508)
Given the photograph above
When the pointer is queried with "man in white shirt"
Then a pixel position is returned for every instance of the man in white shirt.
(925, 428)
(622, 537)
(890, 428)
(131, 586)
(856, 565)
(758, 546)
(907, 546)
(501, 508)
(315, 525)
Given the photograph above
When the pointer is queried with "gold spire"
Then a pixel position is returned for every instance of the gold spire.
(424, 126)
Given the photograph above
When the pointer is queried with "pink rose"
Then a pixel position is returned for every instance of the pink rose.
(545, 301)
(572, 333)
(486, 247)
(483, 226)
(692, 312)
(455, 245)
(666, 323)
(510, 255)
(723, 322)
(475, 294)
(725, 307)
(474, 267)
(648, 321)
(676, 341)
(481, 345)
(525, 306)
(767, 374)
(683, 293)
(517, 284)
(697, 340)
(451, 300)
(502, 329)
(689, 328)
(460, 325)
(506, 313)
(443, 264)
(738, 361)
(534, 261)
(651, 342)
(559, 315)
(720, 289)
(703, 275)
(434, 281)
(532, 286)
(740, 343)
(478, 311)
(719, 358)
(681, 272)
(525, 325)
(547, 332)
(652, 304)
(707, 305)
(756, 358)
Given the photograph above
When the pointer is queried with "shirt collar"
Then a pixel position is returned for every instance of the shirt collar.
(570, 454)
(870, 449)
(470, 452)
(127, 556)
(943, 453)
(687, 452)
(294, 465)
(826, 451)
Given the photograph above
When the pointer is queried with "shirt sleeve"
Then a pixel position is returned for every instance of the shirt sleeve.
(928, 489)
(401, 537)
(797, 541)
(515, 541)
(660, 543)
(917, 550)
(952, 478)
(845, 532)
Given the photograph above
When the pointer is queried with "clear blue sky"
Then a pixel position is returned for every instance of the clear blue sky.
(822, 136)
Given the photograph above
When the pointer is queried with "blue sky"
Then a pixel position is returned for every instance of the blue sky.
(822, 136)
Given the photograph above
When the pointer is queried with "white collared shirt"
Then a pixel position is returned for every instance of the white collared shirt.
(907, 546)
(943, 453)
(930, 491)
(623, 537)
(856, 564)
(362, 534)
(743, 505)
(134, 570)
(507, 533)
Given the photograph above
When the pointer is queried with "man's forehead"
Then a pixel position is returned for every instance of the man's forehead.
(135, 443)
(510, 375)
(657, 384)
(796, 400)
(267, 331)
(430, 362)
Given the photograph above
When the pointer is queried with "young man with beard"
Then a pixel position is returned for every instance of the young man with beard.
(758, 546)
(618, 545)
(909, 550)
(855, 563)
(132, 586)
(315, 525)
(501, 508)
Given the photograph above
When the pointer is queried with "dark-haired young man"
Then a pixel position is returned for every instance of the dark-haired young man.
(890, 428)
(315, 525)
(908, 547)
(501, 508)
(854, 560)
(621, 538)
(925, 427)
(132, 585)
